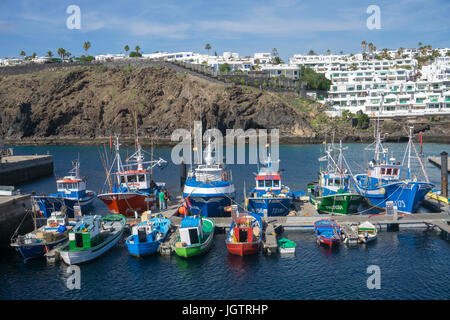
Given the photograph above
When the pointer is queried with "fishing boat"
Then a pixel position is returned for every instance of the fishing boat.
(195, 236)
(209, 188)
(130, 189)
(36, 243)
(286, 246)
(71, 191)
(91, 237)
(366, 231)
(147, 236)
(383, 181)
(269, 197)
(332, 193)
(327, 232)
(245, 234)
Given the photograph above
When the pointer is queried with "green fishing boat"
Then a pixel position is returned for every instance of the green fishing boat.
(331, 194)
(195, 236)
(91, 237)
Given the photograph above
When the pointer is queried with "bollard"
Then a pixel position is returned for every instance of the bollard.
(182, 175)
(444, 174)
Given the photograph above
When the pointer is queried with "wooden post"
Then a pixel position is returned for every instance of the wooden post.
(444, 174)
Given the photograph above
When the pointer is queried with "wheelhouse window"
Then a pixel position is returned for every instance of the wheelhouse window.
(132, 178)
(388, 171)
(395, 171)
(141, 178)
(261, 183)
(383, 171)
(276, 183)
(268, 183)
(122, 179)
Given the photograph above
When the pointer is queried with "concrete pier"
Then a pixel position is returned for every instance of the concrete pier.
(15, 170)
(437, 162)
(13, 209)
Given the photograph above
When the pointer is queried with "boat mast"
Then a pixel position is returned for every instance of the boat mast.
(119, 162)
(409, 150)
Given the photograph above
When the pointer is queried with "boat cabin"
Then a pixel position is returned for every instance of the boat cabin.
(191, 230)
(385, 171)
(142, 230)
(245, 230)
(334, 181)
(134, 179)
(209, 173)
(86, 233)
(71, 187)
(55, 220)
(268, 182)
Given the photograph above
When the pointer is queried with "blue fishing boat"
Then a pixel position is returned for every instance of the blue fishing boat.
(383, 182)
(327, 232)
(209, 188)
(34, 244)
(147, 236)
(71, 191)
(269, 196)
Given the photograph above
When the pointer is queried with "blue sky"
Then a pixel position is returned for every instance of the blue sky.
(244, 26)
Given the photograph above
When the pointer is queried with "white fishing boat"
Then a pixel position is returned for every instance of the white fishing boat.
(366, 231)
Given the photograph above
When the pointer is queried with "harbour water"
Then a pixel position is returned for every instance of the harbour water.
(413, 262)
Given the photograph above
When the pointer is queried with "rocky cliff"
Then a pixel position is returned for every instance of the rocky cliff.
(93, 102)
(87, 104)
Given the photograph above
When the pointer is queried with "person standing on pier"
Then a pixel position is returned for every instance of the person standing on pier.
(162, 201)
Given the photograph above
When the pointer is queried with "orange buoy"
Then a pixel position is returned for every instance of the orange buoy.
(181, 210)
(228, 209)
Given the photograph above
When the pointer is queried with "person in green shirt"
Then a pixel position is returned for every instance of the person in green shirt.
(162, 201)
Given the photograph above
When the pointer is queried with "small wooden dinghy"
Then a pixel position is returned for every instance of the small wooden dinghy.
(366, 231)
(286, 245)
(328, 232)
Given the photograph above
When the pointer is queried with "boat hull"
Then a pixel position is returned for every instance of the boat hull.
(243, 249)
(36, 250)
(142, 249)
(275, 206)
(328, 242)
(406, 195)
(344, 203)
(48, 204)
(210, 206)
(127, 203)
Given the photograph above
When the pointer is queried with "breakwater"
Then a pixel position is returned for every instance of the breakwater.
(13, 209)
(15, 170)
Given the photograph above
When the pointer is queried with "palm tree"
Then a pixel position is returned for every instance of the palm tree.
(61, 53)
(86, 47)
(364, 45)
(22, 53)
(420, 44)
(208, 47)
(311, 52)
(328, 52)
(49, 54)
(33, 55)
(341, 52)
(126, 48)
(370, 48)
(137, 49)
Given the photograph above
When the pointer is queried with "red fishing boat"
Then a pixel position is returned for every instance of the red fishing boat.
(131, 188)
(245, 234)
